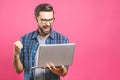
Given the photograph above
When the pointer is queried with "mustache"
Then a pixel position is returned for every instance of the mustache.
(47, 26)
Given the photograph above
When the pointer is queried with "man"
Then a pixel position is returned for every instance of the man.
(26, 50)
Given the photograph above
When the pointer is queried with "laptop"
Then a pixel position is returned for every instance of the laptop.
(58, 54)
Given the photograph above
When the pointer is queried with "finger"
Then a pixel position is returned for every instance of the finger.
(52, 66)
(63, 66)
(18, 45)
(48, 67)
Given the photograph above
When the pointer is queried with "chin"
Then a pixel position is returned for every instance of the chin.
(46, 33)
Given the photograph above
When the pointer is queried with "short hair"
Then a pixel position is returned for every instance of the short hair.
(43, 7)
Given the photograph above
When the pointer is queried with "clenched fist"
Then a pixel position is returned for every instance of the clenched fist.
(17, 47)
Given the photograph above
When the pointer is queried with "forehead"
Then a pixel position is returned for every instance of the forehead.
(46, 14)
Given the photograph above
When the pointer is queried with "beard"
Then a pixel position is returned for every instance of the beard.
(42, 30)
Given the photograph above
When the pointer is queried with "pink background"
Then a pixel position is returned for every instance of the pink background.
(94, 25)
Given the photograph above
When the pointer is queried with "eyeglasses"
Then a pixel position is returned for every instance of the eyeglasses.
(44, 21)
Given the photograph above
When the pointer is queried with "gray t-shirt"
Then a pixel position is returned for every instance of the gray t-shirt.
(39, 73)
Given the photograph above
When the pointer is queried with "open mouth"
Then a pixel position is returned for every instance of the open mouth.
(46, 28)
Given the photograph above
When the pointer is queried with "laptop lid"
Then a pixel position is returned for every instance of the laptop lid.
(58, 54)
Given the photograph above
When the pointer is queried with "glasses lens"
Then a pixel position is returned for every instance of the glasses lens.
(47, 20)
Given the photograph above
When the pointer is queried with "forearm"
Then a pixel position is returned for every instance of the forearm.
(17, 64)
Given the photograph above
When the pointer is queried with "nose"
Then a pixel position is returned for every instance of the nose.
(48, 23)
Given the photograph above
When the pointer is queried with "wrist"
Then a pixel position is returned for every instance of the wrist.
(16, 55)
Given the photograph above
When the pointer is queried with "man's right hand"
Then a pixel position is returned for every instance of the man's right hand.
(17, 47)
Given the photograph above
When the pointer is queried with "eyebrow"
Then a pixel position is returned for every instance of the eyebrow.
(47, 19)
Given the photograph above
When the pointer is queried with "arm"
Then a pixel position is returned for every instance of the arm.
(16, 60)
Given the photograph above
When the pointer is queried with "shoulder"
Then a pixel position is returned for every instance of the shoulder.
(29, 35)
(59, 36)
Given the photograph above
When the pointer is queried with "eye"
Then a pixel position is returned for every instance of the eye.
(43, 19)
(50, 19)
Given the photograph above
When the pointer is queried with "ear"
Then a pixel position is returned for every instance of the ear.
(36, 19)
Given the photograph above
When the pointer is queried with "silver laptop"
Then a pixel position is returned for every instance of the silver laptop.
(58, 54)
